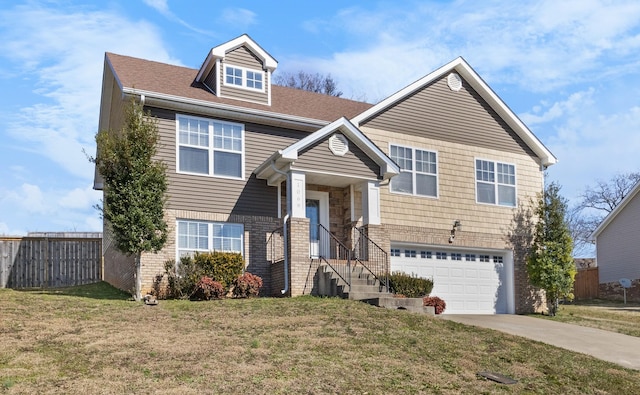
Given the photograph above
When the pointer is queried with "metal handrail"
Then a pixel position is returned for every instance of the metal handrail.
(335, 254)
(275, 243)
(372, 257)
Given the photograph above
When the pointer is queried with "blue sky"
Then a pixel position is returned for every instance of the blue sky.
(568, 69)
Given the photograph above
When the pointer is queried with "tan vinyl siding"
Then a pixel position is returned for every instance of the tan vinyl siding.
(210, 81)
(220, 195)
(354, 163)
(461, 117)
(456, 187)
(617, 245)
(242, 57)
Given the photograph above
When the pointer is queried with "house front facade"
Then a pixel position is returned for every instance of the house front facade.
(428, 181)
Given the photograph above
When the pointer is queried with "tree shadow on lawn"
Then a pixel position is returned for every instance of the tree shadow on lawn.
(100, 290)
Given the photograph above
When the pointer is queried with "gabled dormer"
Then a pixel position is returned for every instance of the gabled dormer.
(239, 69)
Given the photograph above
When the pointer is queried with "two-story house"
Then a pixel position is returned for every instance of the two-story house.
(427, 181)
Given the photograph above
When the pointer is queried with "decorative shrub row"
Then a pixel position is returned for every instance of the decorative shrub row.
(436, 302)
(410, 286)
(184, 277)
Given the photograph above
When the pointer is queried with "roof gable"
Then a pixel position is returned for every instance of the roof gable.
(220, 52)
(470, 77)
(281, 158)
(614, 213)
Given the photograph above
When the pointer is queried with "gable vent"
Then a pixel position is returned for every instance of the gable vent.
(454, 81)
(338, 144)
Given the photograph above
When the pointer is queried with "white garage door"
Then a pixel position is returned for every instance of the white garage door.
(470, 282)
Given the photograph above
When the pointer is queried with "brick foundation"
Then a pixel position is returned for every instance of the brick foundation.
(614, 291)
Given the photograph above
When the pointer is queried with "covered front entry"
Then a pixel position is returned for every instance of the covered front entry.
(469, 281)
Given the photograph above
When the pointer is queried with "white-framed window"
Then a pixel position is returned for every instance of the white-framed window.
(210, 147)
(497, 259)
(418, 171)
(409, 253)
(395, 252)
(495, 183)
(202, 236)
(441, 255)
(470, 257)
(425, 254)
(456, 256)
(485, 258)
(244, 78)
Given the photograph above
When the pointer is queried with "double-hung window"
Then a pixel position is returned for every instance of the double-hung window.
(210, 147)
(495, 183)
(418, 171)
(244, 78)
(201, 236)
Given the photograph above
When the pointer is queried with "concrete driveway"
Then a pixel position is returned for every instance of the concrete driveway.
(609, 346)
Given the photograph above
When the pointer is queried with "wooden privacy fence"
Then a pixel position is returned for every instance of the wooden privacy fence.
(44, 261)
(586, 284)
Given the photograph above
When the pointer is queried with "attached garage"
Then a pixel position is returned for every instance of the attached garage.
(469, 281)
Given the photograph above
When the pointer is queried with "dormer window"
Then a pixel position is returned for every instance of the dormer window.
(244, 78)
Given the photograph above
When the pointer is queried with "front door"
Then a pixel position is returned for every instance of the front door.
(317, 210)
(313, 213)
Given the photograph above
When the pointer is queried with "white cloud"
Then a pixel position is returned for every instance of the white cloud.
(79, 198)
(577, 100)
(239, 17)
(163, 8)
(543, 46)
(63, 54)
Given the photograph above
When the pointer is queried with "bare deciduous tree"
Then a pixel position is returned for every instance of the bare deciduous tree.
(598, 201)
(317, 83)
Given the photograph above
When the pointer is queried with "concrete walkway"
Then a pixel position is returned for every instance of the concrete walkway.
(608, 346)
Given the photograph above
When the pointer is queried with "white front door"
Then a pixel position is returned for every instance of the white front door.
(317, 210)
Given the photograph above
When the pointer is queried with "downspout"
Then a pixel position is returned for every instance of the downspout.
(285, 234)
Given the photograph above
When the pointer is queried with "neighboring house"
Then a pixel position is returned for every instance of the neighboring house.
(618, 247)
(428, 180)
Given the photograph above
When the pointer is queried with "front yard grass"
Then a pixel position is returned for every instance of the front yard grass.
(608, 315)
(69, 341)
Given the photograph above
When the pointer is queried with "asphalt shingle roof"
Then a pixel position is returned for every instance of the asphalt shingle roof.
(147, 75)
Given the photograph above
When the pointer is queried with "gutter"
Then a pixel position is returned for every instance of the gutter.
(285, 234)
(225, 110)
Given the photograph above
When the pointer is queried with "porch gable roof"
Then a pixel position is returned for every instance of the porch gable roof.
(280, 160)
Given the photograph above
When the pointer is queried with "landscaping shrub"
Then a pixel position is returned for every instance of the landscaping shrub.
(410, 286)
(183, 277)
(436, 302)
(224, 267)
(246, 285)
(207, 289)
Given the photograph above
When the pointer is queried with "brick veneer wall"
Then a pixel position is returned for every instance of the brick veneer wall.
(256, 232)
(614, 291)
(300, 270)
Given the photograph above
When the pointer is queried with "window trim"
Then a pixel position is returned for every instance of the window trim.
(413, 171)
(211, 149)
(210, 225)
(495, 183)
(243, 77)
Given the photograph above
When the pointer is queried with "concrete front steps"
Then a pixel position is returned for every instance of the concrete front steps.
(365, 288)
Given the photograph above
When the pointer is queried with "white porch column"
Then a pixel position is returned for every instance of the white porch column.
(371, 203)
(296, 197)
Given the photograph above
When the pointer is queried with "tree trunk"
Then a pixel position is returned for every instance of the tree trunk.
(138, 295)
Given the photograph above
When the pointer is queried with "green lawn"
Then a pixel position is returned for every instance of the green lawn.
(602, 314)
(95, 340)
